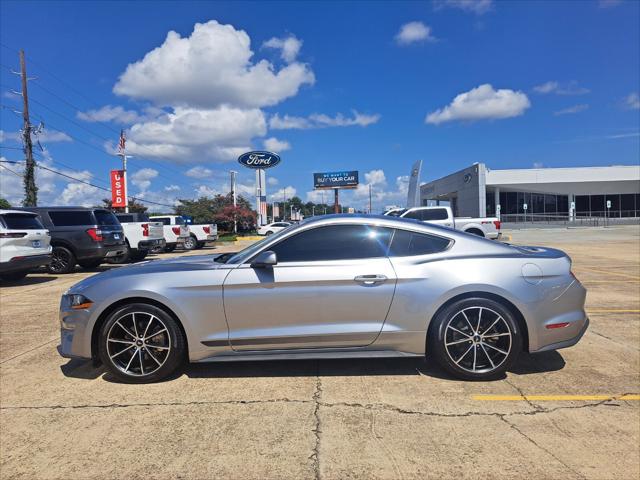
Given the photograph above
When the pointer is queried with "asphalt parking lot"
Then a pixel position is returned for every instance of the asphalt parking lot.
(569, 414)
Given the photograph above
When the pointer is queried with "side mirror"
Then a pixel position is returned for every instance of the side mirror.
(265, 259)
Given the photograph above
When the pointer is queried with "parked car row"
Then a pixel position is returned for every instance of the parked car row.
(59, 238)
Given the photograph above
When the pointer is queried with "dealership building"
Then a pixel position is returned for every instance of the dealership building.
(538, 193)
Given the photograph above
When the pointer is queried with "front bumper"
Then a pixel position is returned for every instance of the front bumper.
(19, 264)
(75, 337)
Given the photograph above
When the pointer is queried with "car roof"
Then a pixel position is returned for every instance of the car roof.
(36, 209)
(26, 212)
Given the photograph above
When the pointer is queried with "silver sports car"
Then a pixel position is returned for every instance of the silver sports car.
(340, 286)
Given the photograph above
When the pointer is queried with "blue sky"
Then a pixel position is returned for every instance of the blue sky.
(368, 86)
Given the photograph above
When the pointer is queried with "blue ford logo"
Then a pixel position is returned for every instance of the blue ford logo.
(259, 159)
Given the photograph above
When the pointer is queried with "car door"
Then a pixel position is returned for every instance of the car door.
(332, 287)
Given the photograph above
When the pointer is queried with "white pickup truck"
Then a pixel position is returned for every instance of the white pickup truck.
(141, 234)
(200, 234)
(488, 227)
(175, 230)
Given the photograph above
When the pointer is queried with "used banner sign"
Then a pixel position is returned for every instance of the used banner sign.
(330, 180)
(118, 194)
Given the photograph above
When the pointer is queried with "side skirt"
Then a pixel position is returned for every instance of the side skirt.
(306, 355)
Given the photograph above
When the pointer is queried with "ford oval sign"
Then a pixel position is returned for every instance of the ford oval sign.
(259, 159)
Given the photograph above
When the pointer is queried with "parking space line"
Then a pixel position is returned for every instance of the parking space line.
(553, 398)
(606, 272)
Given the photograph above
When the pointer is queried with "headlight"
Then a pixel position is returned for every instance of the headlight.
(77, 301)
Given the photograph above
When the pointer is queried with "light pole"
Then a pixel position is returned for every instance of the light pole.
(233, 195)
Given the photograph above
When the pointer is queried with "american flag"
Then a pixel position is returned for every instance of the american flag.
(122, 141)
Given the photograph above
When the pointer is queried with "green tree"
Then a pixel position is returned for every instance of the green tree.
(134, 206)
(205, 209)
(4, 203)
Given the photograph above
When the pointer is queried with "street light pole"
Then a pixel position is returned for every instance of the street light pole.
(233, 195)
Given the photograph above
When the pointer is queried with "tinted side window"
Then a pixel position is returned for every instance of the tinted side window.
(407, 244)
(336, 242)
(416, 215)
(71, 218)
(164, 220)
(435, 214)
(125, 218)
(15, 221)
(105, 217)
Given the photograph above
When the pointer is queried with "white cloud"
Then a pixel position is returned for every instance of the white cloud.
(199, 172)
(189, 135)
(45, 136)
(142, 178)
(272, 144)
(552, 86)
(278, 195)
(289, 47)
(110, 113)
(482, 103)
(479, 7)
(272, 181)
(414, 32)
(573, 109)
(318, 120)
(538, 165)
(632, 101)
(172, 188)
(210, 68)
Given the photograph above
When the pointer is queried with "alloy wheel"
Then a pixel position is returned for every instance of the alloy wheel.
(478, 339)
(138, 344)
(59, 261)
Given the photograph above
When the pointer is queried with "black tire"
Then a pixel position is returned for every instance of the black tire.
(14, 276)
(90, 264)
(138, 255)
(114, 360)
(62, 261)
(190, 243)
(200, 245)
(169, 248)
(457, 346)
(269, 233)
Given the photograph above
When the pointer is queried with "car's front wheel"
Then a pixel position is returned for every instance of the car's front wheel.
(475, 339)
(141, 343)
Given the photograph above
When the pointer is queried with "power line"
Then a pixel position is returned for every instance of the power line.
(83, 181)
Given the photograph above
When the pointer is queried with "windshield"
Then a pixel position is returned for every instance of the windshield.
(252, 249)
(105, 218)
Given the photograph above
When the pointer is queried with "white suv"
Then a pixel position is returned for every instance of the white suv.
(24, 244)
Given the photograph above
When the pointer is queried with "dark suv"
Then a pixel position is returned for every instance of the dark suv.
(80, 235)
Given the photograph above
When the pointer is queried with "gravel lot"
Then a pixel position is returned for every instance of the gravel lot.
(381, 418)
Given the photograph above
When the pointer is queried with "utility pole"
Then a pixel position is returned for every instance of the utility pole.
(369, 199)
(30, 188)
(336, 201)
(233, 195)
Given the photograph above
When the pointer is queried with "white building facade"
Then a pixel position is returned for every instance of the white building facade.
(538, 193)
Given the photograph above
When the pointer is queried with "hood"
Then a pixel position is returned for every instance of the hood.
(178, 264)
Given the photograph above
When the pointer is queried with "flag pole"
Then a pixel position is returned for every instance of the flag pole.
(121, 152)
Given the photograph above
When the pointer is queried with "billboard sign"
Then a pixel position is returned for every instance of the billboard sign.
(118, 193)
(259, 159)
(329, 180)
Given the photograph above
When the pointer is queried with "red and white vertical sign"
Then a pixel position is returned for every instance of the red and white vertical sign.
(118, 191)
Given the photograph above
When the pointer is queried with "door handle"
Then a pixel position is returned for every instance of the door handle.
(370, 279)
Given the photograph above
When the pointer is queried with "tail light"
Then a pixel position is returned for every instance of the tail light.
(13, 234)
(176, 230)
(207, 230)
(497, 224)
(145, 229)
(557, 325)
(95, 234)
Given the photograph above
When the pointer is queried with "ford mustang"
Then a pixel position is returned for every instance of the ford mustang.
(335, 286)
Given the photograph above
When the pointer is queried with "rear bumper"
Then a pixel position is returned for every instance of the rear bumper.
(19, 264)
(494, 235)
(566, 343)
(102, 251)
(149, 244)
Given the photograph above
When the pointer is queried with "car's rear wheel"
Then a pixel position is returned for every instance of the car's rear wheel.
(190, 243)
(169, 248)
(141, 343)
(269, 233)
(62, 261)
(475, 339)
(138, 255)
